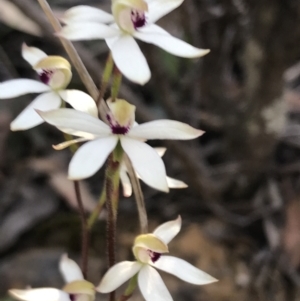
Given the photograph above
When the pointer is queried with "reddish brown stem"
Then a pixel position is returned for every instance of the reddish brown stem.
(85, 231)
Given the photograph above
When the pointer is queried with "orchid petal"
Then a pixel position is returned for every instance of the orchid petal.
(83, 13)
(90, 157)
(157, 8)
(153, 29)
(152, 286)
(16, 87)
(164, 129)
(171, 44)
(29, 118)
(167, 231)
(69, 269)
(88, 31)
(183, 270)
(160, 150)
(129, 59)
(76, 123)
(32, 54)
(176, 184)
(146, 163)
(125, 181)
(38, 294)
(80, 101)
(117, 275)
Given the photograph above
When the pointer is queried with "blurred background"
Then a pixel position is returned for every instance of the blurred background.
(241, 212)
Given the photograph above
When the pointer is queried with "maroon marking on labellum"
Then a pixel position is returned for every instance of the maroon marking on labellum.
(116, 128)
(45, 76)
(154, 256)
(119, 130)
(138, 19)
(72, 297)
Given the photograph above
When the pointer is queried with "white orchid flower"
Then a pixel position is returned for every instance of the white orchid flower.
(55, 74)
(92, 155)
(126, 184)
(149, 250)
(76, 289)
(130, 19)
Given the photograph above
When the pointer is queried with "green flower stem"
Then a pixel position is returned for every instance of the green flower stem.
(94, 216)
(112, 181)
(105, 77)
(117, 80)
(130, 289)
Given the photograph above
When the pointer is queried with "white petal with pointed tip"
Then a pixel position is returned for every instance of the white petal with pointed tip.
(152, 286)
(153, 29)
(165, 129)
(129, 58)
(69, 269)
(16, 87)
(45, 294)
(76, 123)
(183, 270)
(160, 150)
(167, 231)
(117, 275)
(90, 157)
(146, 163)
(171, 44)
(87, 13)
(88, 31)
(32, 54)
(157, 8)
(80, 101)
(176, 184)
(29, 118)
(125, 181)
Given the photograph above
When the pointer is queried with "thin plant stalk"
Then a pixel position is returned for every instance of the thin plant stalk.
(95, 214)
(112, 182)
(138, 195)
(85, 231)
(130, 289)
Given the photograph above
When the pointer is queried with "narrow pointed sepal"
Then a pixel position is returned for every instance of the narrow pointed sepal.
(167, 231)
(117, 275)
(152, 286)
(38, 294)
(183, 270)
(69, 269)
